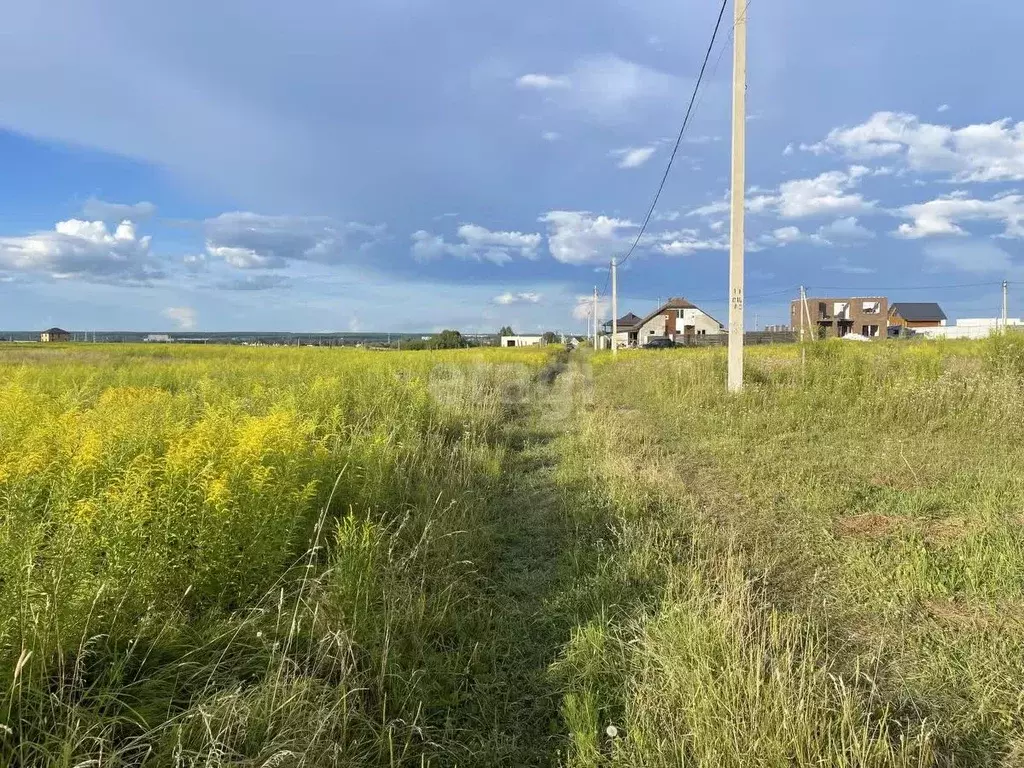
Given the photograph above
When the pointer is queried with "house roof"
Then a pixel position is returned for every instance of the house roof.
(673, 303)
(628, 320)
(918, 310)
(55, 329)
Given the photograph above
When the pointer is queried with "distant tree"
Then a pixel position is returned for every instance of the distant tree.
(506, 330)
(549, 337)
(447, 339)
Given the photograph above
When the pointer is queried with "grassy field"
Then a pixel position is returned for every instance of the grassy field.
(311, 557)
(226, 556)
(833, 561)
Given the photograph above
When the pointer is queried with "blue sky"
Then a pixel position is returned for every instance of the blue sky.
(405, 165)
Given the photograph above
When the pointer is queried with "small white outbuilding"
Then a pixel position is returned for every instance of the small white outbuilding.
(521, 341)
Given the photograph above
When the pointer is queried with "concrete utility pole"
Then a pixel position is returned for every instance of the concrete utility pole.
(595, 318)
(1005, 307)
(739, 99)
(614, 309)
(800, 311)
(806, 309)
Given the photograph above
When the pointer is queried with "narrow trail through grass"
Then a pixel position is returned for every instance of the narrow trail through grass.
(532, 587)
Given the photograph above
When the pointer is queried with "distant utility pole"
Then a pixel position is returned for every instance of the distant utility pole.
(595, 318)
(1005, 307)
(806, 314)
(615, 310)
(739, 98)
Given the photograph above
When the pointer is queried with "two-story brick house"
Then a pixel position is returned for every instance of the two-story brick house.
(865, 315)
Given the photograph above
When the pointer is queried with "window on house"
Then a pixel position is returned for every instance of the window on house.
(869, 330)
(871, 307)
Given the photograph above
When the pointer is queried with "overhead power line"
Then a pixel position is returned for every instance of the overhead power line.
(679, 138)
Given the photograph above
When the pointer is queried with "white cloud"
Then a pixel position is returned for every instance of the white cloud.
(606, 87)
(243, 258)
(943, 216)
(981, 152)
(480, 237)
(840, 232)
(478, 244)
(82, 249)
(760, 203)
(184, 318)
(543, 82)
(823, 195)
(579, 237)
(786, 235)
(684, 242)
(246, 240)
(508, 298)
(633, 157)
(711, 209)
(789, 150)
(195, 262)
(826, 194)
(584, 308)
(971, 256)
(846, 229)
(551, 135)
(100, 210)
(943, 108)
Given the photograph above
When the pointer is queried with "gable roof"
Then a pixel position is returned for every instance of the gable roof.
(55, 329)
(674, 303)
(918, 310)
(628, 320)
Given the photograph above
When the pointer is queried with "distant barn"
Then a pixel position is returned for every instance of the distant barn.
(55, 334)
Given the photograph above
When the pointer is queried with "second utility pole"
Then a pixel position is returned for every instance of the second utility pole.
(739, 98)
(1005, 307)
(614, 310)
(595, 319)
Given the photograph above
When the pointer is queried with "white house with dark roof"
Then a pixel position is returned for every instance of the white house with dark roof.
(679, 320)
(626, 329)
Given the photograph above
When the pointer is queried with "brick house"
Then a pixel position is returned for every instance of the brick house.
(865, 315)
(679, 320)
(55, 334)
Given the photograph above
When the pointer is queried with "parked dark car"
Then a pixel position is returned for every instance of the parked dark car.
(661, 342)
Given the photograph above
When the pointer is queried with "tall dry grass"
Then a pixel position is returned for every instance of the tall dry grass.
(244, 557)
